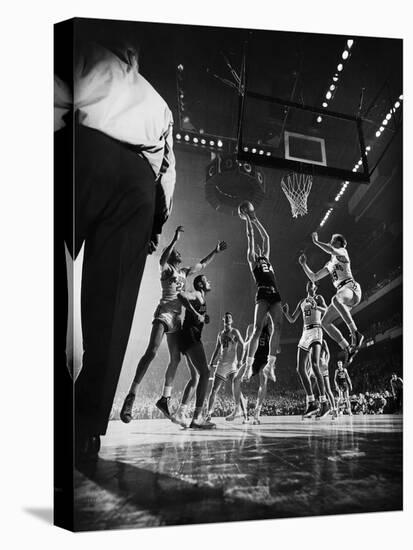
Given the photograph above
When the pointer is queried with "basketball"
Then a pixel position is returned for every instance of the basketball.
(246, 208)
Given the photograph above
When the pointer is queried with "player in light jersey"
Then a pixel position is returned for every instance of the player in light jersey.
(343, 385)
(311, 308)
(226, 359)
(167, 320)
(268, 299)
(347, 296)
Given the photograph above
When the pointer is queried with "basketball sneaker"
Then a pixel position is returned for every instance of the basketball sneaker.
(180, 418)
(311, 410)
(323, 411)
(162, 405)
(202, 425)
(126, 411)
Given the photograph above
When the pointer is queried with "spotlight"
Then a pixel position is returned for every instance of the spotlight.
(344, 55)
(381, 128)
(368, 148)
(246, 149)
(319, 119)
(335, 78)
(268, 154)
(201, 130)
(350, 43)
(328, 95)
(203, 141)
(325, 104)
(378, 133)
(388, 116)
(178, 136)
(337, 198)
(354, 169)
(261, 152)
(332, 87)
(397, 104)
(186, 138)
(212, 143)
(339, 67)
(401, 97)
(384, 122)
(180, 67)
(253, 150)
(219, 143)
(195, 140)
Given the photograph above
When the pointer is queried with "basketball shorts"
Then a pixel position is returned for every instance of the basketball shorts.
(324, 368)
(310, 336)
(170, 314)
(188, 337)
(258, 364)
(354, 287)
(268, 294)
(343, 386)
(225, 369)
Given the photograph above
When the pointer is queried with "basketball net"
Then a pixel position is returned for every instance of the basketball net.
(296, 188)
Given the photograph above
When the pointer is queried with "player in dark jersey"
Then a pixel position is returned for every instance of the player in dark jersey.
(343, 385)
(268, 299)
(191, 345)
(256, 369)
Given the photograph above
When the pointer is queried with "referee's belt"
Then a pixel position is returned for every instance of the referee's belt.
(308, 327)
(344, 283)
(270, 288)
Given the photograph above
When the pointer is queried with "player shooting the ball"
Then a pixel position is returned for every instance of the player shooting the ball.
(267, 299)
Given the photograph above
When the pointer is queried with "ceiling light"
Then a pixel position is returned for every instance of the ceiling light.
(195, 140)
(378, 133)
(325, 104)
(388, 116)
(339, 67)
(186, 138)
(350, 43)
(212, 143)
(219, 143)
(319, 119)
(203, 141)
(246, 149)
(253, 150)
(328, 95)
(344, 55)
(397, 104)
(178, 136)
(332, 87)
(381, 128)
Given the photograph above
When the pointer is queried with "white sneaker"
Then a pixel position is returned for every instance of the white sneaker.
(180, 418)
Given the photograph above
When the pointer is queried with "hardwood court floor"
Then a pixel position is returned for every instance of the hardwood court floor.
(151, 472)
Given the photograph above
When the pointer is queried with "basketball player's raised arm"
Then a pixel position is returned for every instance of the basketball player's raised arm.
(250, 240)
(221, 245)
(265, 237)
(326, 247)
(167, 252)
(310, 274)
(291, 318)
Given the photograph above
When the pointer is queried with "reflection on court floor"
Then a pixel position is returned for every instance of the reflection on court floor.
(153, 473)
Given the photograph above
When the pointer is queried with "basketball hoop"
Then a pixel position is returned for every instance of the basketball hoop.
(296, 188)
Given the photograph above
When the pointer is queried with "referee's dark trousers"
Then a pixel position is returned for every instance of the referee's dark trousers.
(104, 198)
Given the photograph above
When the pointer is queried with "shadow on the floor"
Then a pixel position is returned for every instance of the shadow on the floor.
(44, 514)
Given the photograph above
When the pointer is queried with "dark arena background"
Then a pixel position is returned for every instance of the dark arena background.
(236, 97)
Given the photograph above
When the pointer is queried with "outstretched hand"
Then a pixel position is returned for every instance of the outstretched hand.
(222, 245)
(302, 259)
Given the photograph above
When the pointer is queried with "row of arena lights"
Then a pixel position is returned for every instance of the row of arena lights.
(359, 163)
(196, 140)
(333, 86)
